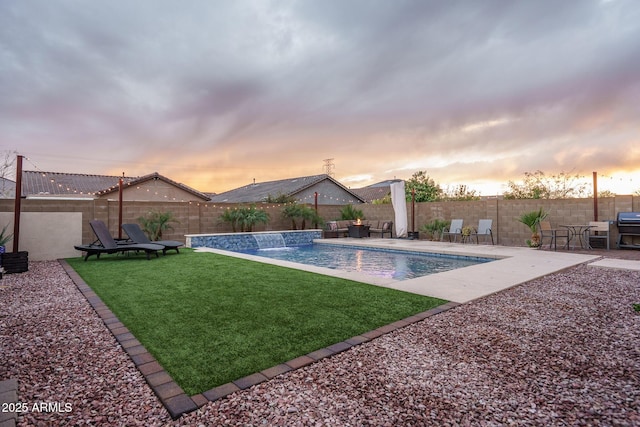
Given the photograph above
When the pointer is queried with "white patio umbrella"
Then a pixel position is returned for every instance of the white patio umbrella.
(399, 202)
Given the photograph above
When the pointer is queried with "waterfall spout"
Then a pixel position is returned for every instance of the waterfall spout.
(269, 240)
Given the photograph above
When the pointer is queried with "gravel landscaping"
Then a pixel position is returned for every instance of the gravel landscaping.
(561, 350)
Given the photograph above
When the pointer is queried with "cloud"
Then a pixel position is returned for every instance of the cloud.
(471, 90)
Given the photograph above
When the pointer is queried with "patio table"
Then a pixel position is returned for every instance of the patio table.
(578, 231)
(358, 230)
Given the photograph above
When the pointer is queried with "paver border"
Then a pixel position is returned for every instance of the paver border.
(171, 395)
(8, 394)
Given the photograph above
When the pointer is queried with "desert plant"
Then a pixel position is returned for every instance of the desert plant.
(252, 216)
(154, 223)
(349, 212)
(4, 236)
(435, 227)
(243, 218)
(232, 216)
(305, 213)
(531, 220)
(292, 212)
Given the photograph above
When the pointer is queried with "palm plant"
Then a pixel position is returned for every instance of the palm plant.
(435, 227)
(531, 220)
(155, 223)
(243, 218)
(292, 211)
(307, 213)
(232, 216)
(251, 216)
(304, 212)
(4, 236)
(349, 212)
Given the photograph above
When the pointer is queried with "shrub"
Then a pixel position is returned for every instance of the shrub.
(435, 227)
(244, 218)
(305, 213)
(349, 212)
(154, 223)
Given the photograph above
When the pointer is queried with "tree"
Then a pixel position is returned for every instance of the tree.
(385, 200)
(606, 193)
(536, 185)
(280, 198)
(426, 189)
(460, 193)
(7, 160)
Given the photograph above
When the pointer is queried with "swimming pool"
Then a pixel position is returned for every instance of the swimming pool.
(392, 264)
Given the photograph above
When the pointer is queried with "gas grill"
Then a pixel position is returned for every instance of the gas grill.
(628, 229)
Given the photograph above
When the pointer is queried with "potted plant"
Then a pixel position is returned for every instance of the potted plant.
(4, 238)
(12, 262)
(531, 220)
(466, 233)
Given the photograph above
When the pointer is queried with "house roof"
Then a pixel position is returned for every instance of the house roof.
(259, 191)
(375, 191)
(70, 184)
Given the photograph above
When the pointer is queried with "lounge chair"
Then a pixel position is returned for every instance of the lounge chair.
(455, 230)
(484, 229)
(136, 235)
(548, 232)
(106, 244)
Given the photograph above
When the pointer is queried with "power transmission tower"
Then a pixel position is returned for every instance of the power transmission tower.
(328, 167)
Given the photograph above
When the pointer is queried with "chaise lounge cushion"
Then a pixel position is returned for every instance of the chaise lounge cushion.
(383, 227)
(107, 244)
(136, 235)
(341, 227)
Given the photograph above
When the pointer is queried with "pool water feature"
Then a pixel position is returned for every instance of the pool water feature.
(252, 240)
(269, 240)
(382, 263)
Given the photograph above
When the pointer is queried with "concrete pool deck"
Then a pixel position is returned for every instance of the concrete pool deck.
(512, 266)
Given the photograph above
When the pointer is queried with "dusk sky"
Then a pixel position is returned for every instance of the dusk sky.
(215, 94)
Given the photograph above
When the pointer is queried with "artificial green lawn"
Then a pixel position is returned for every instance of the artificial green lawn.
(210, 319)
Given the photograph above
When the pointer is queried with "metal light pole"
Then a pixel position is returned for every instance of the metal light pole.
(595, 196)
(315, 204)
(120, 207)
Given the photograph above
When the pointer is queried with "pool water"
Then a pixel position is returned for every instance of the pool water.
(398, 265)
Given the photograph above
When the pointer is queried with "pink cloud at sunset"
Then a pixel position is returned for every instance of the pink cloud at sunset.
(215, 94)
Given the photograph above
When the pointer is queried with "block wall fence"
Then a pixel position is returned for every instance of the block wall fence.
(203, 218)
